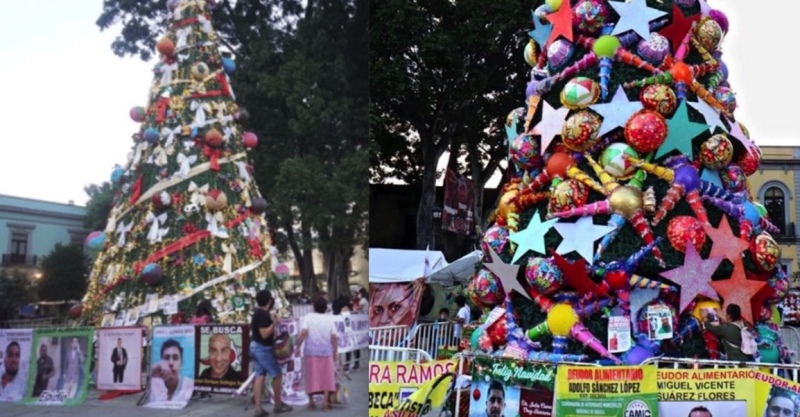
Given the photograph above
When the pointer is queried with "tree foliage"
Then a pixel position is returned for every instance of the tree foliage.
(101, 200)
(444, 75)
(64, 274)
(16, 290)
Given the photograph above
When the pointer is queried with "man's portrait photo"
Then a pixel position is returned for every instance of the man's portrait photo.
(15, 355)
(495, 400)
(221, 357)
(119, 356)
(172, 369)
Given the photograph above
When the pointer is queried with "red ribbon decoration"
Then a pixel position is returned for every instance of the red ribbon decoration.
(136, 191)
(255, 248)
(213, 155)
(223, 82)
(188, 21)
(212, 93)
(161, 109)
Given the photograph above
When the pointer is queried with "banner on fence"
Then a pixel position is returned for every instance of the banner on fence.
(119, 358)
(172, 367)
(60, 373)
(511, 388)
(395, 304)
(292, 366)
(723, 392)
(223, 357)
(427, 400)
(775, 396)
(353, 331)
(16, 359)
(606, 391)
(392, 382)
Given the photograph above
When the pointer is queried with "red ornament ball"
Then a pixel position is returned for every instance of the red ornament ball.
(250, 140)
(498, 332)
(214, 138)
(161, 200)
(750, 160)
(681, 73)
(682, 229)
(579, 132)
(166, 47)
(660, 98)
(75, 311)
(645, 131)
(476, 394)
(558, 163)
(617, 280)
(216, 200)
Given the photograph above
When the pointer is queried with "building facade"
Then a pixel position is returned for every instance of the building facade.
(29, 229)
(776, 185)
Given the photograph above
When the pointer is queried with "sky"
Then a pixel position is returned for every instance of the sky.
(65, 100)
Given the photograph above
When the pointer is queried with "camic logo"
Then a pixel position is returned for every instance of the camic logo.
(637, 408)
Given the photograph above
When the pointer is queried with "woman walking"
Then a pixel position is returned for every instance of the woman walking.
(319, 352)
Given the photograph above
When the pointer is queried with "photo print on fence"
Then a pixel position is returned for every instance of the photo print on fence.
(59, 372)
(172, 366)
(509, 387)
(223, 357)
(119, 358)
(15, 359)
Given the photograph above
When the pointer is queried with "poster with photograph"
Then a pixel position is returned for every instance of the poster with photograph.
(59, 373)
(659, 322)
(509, 387)
(395, 304)
(619, 334)
(172, 365)
(119, 358)
(291, 366)
(775, 396)
(223, 357)
(606, 391)
(723, 392)
(15, 352)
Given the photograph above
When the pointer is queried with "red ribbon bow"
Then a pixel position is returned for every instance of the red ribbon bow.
(213, 155)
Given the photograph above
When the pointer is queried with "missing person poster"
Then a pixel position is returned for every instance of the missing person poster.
(15, 359)
(353, 331)
(775, 396)
(606, 391)
(390, 383)
(721, 392)
(59, 373)
(223, 357)
(119, 358)
(509, 387)
(171, 367)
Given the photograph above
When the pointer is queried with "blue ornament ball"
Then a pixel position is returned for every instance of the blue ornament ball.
(96, 240)
(116, 175)
(152, 274)
(151, 135)
(229, 65)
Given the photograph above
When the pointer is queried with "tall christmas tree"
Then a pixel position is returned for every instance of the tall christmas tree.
(628, 210)
(188, 220)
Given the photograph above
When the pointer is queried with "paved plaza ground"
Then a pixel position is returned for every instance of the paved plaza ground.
(218, 405)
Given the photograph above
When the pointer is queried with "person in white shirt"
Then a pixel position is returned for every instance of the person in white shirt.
(12, 386)
(462, 317)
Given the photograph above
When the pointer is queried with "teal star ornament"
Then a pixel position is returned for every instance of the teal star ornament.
(550, 125)
(507, 273)
(532, 238)
(616, 113)
(540, 32)
(680, 132)
(710, 114)
(636, 16)
(581, 236)
(711, 176)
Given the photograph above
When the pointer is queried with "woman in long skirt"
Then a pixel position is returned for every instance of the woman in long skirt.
(319, 343)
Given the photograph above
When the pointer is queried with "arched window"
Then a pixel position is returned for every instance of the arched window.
(775, 203)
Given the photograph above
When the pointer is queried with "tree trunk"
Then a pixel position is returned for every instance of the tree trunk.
(303, 257)
(426, 203)
(338, 272)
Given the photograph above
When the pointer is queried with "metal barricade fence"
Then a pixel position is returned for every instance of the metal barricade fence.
(392, 336)
(791, 339)
(430, 336)
(396, 354)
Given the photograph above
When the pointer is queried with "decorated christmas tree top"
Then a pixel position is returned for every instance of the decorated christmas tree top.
(188, 221)
(628, 211)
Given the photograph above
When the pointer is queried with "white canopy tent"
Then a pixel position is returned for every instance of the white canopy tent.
(404, 265)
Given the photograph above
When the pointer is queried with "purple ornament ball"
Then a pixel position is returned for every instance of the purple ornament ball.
(720, 18)
(589, 16)
(171, 4)
(152, 274)
(531, 88)
(524, 151)
(687, 176)
(559, 52)
(653, 49)
(543, 275)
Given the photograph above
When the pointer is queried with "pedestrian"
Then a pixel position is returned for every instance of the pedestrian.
(262, 326)
(363, 301)
(729, 330)
(319, 343)
(204, 313)
(341, 306)
(462, 317)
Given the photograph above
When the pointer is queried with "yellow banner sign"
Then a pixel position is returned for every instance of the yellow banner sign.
(608, 391)
(720, 392)
(390, 383)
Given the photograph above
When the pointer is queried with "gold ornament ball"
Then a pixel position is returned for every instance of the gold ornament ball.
(530, 53)
(505, 207)
(625, 200)
(579, 132)
(561, 318)
(708, 33)
(716, 152)
(200, 71)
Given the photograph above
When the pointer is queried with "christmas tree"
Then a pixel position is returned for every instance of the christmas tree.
(188, 221)
(627, 211)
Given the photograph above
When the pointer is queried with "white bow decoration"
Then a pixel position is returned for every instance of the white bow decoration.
(158, 157)
(123, 228)
(183, 57)
(206, 25)
(181, 35)
(166, 73)
(198, 193)
(227, 263)
(220, 108)
(137, 153)
(186, 164)
(199, 114)
(230, 89)
(110, 272)
(227, 131)
(112, 221)
(243, 174)
(169, 134)
(156, 231)
(213, 225)
(245, 194)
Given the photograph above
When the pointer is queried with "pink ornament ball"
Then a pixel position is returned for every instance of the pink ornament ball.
(137, 114)
(250, 140)
(495, 239)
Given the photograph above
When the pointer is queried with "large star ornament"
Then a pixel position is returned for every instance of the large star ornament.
(726, 244)
(576, 276)
(540, 32)
(580, 236)
(680, 132)
(694, 276)
(550, 125)
(680, 26)
(562, 23)
(616, 113)
(532, 238)
(739, 291)
(634, 15)
(710, 114)
(507, 274)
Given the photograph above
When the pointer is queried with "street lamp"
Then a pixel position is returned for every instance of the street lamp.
(436, 213)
